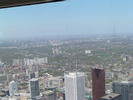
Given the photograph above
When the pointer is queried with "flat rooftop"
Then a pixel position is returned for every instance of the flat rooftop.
(34, 79)
(15, 3)
(111, 95)
(48, 92)
(124, 82)
(74, 74)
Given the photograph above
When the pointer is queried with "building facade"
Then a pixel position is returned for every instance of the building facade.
(124, 88)
(31, 75)
(53, 82)
(13, 88)
(34, 88)
(98, 83)
(75, 86)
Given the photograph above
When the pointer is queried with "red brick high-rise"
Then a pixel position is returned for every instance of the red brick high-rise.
(98, 83)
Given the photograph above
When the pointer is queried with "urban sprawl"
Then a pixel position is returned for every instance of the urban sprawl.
(93, 68)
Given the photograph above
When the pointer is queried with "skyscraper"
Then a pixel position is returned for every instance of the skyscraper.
(31, 75)
(124, 88)
(98, 83)
(75, 86)
(34, 88)
(13, 88)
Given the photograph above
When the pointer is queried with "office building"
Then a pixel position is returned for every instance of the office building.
(124, 88)
(31, 75)
(49, 95)
(3, 78)
(54, 96)
(98, 83)
(34, 88)
(0, 69)
(111, 96)
(53, 82)
(75, 86)
(13, 88)
(61, 94)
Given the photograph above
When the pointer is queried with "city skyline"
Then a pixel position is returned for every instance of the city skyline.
(69, 50)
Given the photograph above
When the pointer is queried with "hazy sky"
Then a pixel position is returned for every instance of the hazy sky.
(68, 17)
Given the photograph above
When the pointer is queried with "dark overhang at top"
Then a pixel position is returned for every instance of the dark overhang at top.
(15, 3)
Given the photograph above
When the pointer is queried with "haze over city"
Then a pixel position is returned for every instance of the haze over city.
(71, 17)
(66, 50)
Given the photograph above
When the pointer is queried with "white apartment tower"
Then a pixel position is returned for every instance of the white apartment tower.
(13, 88)
(75, 86)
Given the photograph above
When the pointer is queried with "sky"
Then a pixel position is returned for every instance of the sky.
(70, 17)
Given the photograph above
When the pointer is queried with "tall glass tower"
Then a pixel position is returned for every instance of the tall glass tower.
(75, 86)
(34, 88)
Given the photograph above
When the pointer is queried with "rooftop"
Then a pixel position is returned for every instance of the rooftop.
(74, 74)
(48, 92)
(124, 82)
(111, 95)
(34, 79)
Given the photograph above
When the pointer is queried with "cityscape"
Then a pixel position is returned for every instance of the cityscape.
(91, 68)
(66, 50)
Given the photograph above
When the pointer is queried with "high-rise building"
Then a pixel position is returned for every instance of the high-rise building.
(63, 96)
(111, 96)
(54, 92)
(34, 88)
(61, 93)
(13, 88)
(124, 88)
(31, 75)
(3, 78)
(75, 86)
(49, 95)
(0, 69)
(98, 83)
(53, 82)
